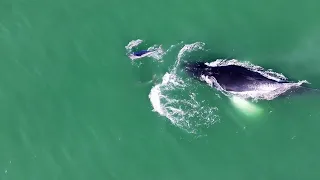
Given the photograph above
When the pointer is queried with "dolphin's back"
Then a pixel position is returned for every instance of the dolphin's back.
(140, 53)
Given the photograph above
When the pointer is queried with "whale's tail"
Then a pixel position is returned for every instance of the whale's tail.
(301, 90)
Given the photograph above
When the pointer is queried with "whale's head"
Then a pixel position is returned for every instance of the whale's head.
(196, 69)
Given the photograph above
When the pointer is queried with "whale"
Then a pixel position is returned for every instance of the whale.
(245, 82)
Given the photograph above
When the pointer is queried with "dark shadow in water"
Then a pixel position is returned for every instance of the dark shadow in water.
(148, 71)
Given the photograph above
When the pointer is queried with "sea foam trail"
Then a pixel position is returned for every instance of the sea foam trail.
(176, 99)
(156, 51)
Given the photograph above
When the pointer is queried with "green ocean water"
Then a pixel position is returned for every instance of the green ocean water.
(74, 106)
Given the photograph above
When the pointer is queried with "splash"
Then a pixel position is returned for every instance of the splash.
(133, 44)
(174, 98)
(156, 51)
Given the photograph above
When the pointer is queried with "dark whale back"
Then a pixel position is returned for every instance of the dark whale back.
(240, 79)
(230, 77)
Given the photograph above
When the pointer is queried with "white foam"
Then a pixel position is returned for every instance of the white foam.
(133, 44)
(167, 98)
(156, 51)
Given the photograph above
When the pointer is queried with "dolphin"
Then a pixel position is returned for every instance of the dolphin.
(239, 80)
(140, 54)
